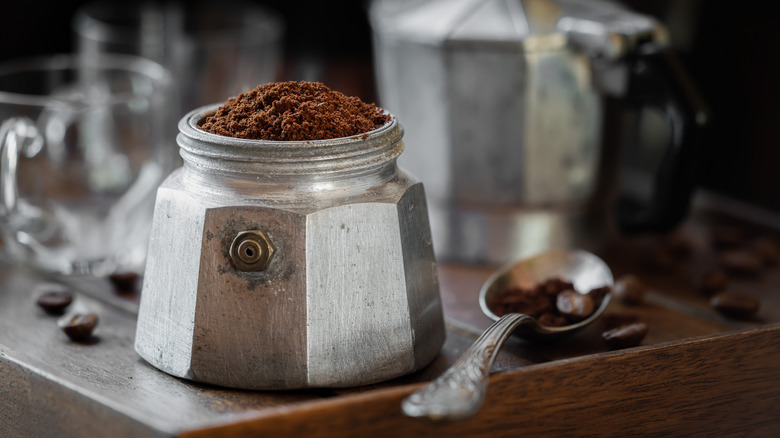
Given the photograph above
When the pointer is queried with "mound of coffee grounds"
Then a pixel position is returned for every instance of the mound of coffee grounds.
(553, 302)
(293, 111)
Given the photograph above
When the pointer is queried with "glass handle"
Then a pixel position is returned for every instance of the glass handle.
(18, 135)
(659, 80)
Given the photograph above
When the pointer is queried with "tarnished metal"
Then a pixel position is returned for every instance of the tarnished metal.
(502, 104)
(351, 296)
(251, 251)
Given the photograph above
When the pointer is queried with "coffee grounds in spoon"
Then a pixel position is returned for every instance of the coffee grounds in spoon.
(293, 111)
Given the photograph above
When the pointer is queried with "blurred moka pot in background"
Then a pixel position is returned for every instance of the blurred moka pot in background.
(503, 105)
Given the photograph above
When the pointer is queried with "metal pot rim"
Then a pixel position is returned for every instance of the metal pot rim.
(382, 145)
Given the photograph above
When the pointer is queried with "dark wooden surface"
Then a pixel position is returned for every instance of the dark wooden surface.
(696, 373)
(725, 385)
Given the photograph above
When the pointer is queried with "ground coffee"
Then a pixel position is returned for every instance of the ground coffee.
(293, 111)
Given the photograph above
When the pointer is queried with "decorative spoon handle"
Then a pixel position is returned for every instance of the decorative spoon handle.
(459, 392)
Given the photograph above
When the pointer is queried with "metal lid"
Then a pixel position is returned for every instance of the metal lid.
(598, 27)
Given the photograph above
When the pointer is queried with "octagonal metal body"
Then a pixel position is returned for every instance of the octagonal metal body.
(503, 105)
(350, 295)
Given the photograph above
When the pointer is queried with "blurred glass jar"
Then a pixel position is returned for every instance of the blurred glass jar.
(83, 151)
(214, 50)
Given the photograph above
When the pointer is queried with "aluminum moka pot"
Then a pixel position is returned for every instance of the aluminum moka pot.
(279, 265)
(503, 102)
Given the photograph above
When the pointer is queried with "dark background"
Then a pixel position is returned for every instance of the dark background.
(730, 50)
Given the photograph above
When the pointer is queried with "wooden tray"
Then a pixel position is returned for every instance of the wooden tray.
(696, 373)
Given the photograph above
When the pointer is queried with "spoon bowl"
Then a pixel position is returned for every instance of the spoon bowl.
(459, 392)
(585, 270)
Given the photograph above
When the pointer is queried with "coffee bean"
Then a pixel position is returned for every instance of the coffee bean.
(712, 282)
(625, 336)
(767, 249)
(79, 327)
(573, 305)
(531, 302)
(54, 302)
(554, 286)
(550, 319)
(741, 262)
(541, 302)
(629, 289)
(598, 294)
(614, 320)
(737, 305)
(124, 282)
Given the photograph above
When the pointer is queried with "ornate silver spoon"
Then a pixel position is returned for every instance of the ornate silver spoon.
(459, 392)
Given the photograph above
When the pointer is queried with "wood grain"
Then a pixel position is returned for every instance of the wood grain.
(50, 386)
(727, 385)
(697, 373)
